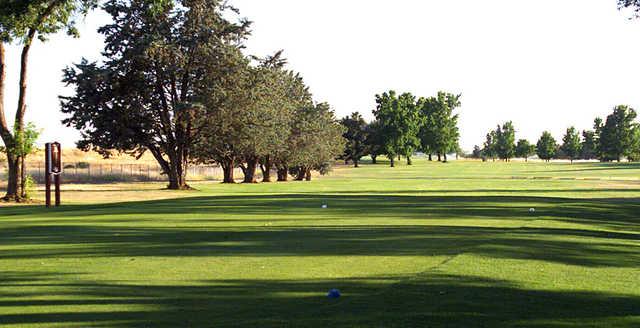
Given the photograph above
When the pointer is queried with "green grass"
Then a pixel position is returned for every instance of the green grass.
(432, 245)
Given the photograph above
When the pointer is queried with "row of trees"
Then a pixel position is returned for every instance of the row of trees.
(175, 82)
(403, 126)
(615, 139)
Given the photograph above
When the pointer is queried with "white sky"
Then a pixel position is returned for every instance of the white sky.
(544, 64)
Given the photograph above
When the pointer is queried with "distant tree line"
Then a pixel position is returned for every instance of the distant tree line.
(615, 139)
(404, 125)
(174, 82)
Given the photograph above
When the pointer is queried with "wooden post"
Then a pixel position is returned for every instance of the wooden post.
(47, 175)
(53, 168)
(57, 184)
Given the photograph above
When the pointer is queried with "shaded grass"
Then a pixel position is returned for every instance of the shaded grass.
(430, 245)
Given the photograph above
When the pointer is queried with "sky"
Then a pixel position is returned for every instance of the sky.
(545, 65)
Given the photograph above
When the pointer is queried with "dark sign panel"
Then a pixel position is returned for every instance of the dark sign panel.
(56, 158)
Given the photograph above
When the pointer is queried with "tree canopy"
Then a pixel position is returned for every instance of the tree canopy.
(157, 68)
(546, 147)
(571, 144)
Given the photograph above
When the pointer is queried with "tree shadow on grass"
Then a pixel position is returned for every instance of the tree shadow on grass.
(613, 213)
(292, 225)
(433, 300)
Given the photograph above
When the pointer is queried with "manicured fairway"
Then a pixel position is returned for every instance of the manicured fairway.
(432, 245)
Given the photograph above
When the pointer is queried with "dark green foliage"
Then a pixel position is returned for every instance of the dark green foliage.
(524, 149)
(571, 145)
(149, 88)
(316, 140)
(399, 123)
(506, 141)
(439, 132)
(477, 152)
(490, 149)
(375, 140)
(630, 4)
(356, 135)
(546, 147)
(618, 133)
(589, 148)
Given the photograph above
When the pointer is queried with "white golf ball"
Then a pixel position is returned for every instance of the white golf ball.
(531, 210)
(324, 206)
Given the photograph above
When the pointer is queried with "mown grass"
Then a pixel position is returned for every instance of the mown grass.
(432, 245)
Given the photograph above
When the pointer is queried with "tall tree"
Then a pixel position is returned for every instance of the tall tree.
(616, 136)
(597, 128)
(506, 135)
(316, 141)
(439, 133)
(589, 146)
(571, 144)
(546, 147)
(524, 149)
(399, 124)
(158, 67)
(490, 147)
(375, 141)
(356, 136)
(24, 22)
(477, 152)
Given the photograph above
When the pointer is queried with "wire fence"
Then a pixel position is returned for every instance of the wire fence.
(84, 172)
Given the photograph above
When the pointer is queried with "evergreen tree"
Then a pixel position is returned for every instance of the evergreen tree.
(589, 145)
(163, 70)
(616, 136)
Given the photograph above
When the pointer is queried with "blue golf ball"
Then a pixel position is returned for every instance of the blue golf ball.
(334, 293)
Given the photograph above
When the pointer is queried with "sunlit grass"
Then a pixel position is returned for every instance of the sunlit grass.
(437, 245)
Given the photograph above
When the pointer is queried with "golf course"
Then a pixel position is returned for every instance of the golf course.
(459, 244)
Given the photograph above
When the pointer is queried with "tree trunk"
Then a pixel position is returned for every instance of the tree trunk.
(393, 163)
(445, 157)
(177, 172)
(308, 174)
(355, 162)
(409, 162)
(439, 157)
(250, 170)
(430, 157)
(374, 159)
(301, 174)
(23, 178)
(177, 178)
(13, 185)
(265, 167)
(227, 169)
(283, 173)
